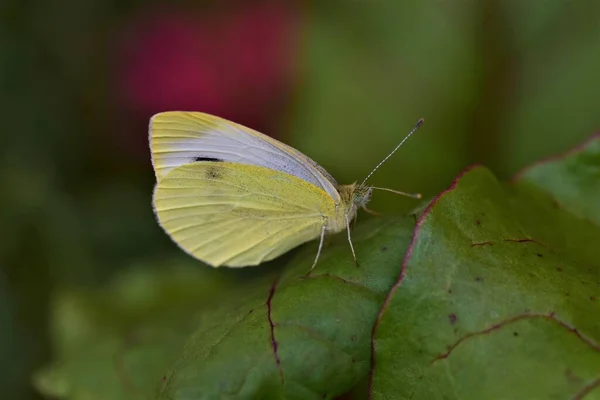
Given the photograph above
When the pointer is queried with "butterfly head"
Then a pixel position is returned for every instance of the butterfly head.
(354, 197)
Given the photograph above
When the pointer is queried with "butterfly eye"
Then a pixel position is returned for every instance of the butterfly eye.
(362, 196)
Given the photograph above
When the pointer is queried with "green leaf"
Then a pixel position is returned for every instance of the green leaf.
(499, 294)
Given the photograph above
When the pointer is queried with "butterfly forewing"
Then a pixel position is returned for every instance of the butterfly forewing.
(179, 138)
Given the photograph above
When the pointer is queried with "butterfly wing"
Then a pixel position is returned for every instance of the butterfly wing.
(178, 138)
(239, 215)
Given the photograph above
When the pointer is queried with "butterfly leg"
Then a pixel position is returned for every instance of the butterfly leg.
(319, 250)
(350, 241)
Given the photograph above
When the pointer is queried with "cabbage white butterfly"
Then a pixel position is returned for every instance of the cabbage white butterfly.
(231, 196)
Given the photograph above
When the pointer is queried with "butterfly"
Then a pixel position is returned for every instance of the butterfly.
(231, 196)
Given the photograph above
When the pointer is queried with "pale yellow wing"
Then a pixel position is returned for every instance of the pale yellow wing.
(239, 215)
(178, 138)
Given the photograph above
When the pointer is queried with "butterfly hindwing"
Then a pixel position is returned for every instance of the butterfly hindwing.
(233, 214)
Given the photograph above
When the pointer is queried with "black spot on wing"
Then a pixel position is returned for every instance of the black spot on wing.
(213, 173)
(198, 159)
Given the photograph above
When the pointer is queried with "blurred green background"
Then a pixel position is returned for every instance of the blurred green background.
(501, 83)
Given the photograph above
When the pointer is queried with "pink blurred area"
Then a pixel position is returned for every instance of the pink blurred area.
(235, 61)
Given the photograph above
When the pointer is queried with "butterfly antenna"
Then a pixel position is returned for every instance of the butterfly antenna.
(418, 124)
(413, 195)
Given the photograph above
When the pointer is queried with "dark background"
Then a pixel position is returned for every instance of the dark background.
(501, 83)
